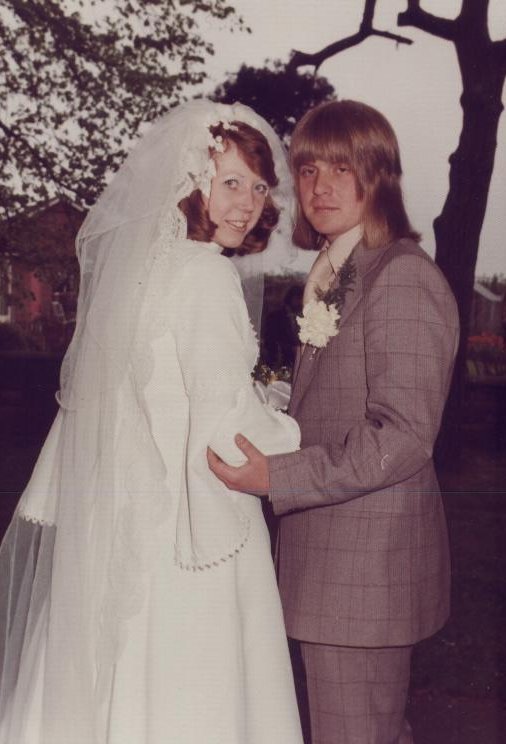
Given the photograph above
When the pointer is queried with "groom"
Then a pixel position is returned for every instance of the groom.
(363, 547)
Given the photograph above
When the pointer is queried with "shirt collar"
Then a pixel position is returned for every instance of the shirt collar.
(342, 246)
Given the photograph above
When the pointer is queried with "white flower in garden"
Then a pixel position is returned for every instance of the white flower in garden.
(318, 323)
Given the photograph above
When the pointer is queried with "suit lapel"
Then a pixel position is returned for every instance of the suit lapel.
(302, 375)
(365, 259)
(307, 361)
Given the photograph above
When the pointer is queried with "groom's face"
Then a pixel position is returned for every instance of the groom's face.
(328, 197)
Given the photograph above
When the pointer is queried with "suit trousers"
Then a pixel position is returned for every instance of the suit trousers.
(357, 695)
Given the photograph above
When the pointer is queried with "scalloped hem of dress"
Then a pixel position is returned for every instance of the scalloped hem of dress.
(216, 563)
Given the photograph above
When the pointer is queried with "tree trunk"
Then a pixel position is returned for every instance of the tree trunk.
(457, 229)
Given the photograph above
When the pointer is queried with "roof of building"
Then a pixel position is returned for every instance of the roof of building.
(486, 293)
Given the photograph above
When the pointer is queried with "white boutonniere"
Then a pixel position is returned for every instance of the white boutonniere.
(321, 317)
(318, 323)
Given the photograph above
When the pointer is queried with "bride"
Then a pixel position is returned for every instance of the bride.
(139, 602)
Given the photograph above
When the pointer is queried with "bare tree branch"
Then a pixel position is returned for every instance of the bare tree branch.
(368, 15)
(299, 59)
(414, 16)
(390, 35)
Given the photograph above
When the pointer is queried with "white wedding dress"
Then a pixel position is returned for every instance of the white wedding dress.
(204, 657)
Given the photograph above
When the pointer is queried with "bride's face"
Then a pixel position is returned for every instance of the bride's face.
(237, 198)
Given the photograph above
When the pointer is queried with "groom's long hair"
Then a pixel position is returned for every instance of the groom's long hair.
(358, 136)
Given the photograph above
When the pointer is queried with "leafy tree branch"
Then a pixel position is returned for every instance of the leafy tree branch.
(77, 88)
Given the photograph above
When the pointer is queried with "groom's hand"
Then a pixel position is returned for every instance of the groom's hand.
(252, 477)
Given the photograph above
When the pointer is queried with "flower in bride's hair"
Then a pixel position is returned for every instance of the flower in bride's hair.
(228, 125)
(318, 323)
(218, 144)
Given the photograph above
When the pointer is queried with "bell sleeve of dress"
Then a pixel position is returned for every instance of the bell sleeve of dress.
(411, 332)
(217, 349)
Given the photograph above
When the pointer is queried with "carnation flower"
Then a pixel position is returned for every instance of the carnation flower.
(318, 323)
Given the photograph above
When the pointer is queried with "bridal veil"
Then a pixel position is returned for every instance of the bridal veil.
(74, 561)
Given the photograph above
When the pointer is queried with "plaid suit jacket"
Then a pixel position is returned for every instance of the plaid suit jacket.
(363, 548)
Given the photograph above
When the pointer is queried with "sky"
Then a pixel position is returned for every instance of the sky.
(417, 87)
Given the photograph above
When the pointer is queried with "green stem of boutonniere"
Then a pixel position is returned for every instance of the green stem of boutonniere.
(337, 295)
(321, 317)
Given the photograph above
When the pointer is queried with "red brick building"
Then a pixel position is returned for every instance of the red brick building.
(39, 284)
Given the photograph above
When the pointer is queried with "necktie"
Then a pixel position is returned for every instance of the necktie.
(320, 277)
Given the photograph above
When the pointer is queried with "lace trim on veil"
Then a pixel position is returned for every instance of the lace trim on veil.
(35, 520)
